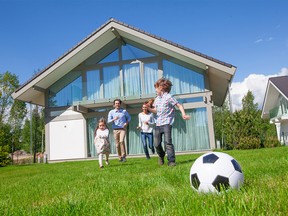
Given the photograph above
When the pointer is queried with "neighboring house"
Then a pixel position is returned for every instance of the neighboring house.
(120, 61)
(275, 106)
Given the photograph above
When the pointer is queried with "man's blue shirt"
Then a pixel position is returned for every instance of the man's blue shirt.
(123, 118)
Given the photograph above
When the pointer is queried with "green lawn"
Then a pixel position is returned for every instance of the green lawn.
(142, 187)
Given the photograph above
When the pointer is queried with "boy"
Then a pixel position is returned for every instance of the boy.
(164, 108)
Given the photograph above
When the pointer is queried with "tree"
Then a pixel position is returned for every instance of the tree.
(8, 83)
(248, 104)
(16, 119)
(244, 128)
(221, 114)
(37, 132)
(12, 113)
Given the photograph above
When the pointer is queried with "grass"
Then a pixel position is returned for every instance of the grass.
(142, 187)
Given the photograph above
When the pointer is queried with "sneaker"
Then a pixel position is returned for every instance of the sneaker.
(107, 162)
(124, 159)
(161, 161)
(121, 160)
(171, 164)
(148, 157)
(101, 167)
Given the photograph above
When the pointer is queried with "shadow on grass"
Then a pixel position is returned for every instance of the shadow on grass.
(187, 161)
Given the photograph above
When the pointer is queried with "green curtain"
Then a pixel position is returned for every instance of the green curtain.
(134, 139)
(193, 133)
(186, 135)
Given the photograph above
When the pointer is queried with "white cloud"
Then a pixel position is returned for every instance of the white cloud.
(265, 39)
(256, 83)
(258, 41)
(270, 38)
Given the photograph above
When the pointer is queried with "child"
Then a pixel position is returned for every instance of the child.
(164, 108)
(101, 141)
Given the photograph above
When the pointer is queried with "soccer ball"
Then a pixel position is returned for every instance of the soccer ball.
(215, 172)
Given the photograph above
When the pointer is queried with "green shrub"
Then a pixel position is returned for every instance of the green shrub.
(271, 142)
(4, 156)
(249, 143)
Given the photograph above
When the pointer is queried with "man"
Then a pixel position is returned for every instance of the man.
(120, 118)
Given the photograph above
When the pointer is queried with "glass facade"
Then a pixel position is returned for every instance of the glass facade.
(112, 78)
(130, 71)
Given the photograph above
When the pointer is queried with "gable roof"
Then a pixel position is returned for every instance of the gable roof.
(276, 86)
(219, 73)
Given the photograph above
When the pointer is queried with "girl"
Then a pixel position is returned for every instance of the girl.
(101, 141)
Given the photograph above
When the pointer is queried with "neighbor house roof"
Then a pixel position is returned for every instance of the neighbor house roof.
(276, 86)
(219, 73)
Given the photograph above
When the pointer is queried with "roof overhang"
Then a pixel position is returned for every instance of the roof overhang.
(220, 74)
(271, 98)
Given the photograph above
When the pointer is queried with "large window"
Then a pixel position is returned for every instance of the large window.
(126, 71)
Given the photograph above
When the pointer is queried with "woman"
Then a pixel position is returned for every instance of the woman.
(146, 122)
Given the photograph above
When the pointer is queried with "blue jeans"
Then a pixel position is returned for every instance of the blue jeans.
(169, 147)
(144, 138)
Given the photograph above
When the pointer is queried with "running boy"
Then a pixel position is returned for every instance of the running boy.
(164, 108)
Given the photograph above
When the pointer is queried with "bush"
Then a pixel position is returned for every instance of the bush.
(4, 156)
(249, 143)
(271, 142)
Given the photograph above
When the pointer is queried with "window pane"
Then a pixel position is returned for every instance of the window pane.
(93, 85)
(183, 79)
(131, 52)
(67, 95)
(150, 77)
(111, 82)
(112, 57)
(132, 79)
(192, 134)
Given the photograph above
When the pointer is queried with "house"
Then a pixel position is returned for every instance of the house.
(121, 61)
(275, 106)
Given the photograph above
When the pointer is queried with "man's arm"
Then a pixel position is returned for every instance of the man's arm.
(110, 117)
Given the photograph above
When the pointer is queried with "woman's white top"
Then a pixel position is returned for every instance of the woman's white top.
(143, 118)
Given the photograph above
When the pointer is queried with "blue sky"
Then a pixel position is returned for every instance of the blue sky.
(249, 34)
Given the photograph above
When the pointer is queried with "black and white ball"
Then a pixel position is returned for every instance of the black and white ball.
(215, 172)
